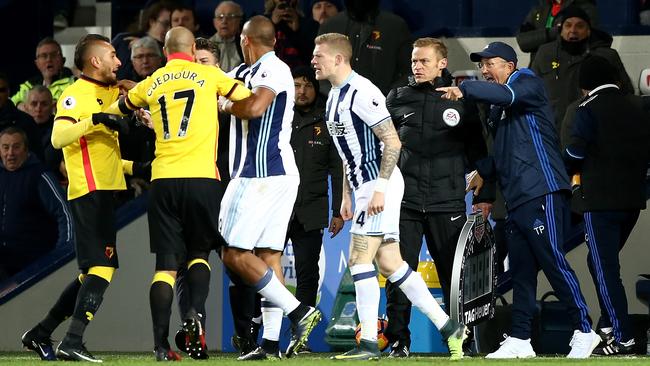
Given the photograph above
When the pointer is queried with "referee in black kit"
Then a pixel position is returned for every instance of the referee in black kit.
(608, 147)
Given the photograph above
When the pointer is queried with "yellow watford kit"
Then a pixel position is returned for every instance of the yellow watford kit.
(91, 153)
(182, 99)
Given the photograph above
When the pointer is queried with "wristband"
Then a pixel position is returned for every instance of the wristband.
(381, 184)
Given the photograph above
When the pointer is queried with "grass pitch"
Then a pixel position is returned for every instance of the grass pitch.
(317, 359)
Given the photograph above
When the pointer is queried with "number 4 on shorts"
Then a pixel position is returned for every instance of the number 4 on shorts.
(361, 219)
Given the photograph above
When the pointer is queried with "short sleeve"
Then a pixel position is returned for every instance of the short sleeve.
(137, 97)
(267, 77)
(370, 106)
(69, 107)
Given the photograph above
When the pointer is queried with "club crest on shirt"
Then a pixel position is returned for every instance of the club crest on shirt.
(69, 102)
(109, 252)
(451, 117)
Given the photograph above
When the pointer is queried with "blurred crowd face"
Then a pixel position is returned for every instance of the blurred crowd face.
(322, 10)
(426, 64)
(4, 93)
(305, 92)
(496, 69)
(160, 26)
(184, 18)
(205, 57)
(13, 151)
(40, 106)
(49, 60)
(227, 20)
(575, 30)
(145, 61)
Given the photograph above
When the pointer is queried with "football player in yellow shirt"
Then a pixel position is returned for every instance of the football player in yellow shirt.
(95, 169)
(185, 191)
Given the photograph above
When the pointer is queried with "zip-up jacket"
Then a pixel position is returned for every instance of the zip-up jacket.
(526, 156)
(34, 213)
(64, 80)
(609, 148)
(441, 141)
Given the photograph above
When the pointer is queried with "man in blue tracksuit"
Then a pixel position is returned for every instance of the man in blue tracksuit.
(528, 165)
(609, 139)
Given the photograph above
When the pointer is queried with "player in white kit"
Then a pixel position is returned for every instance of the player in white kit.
(365, 137)
(258, 202)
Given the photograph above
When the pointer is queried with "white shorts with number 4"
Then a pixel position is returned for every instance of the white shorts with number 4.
(255, 212)
(387, 222)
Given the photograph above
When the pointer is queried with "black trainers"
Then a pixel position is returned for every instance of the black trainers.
(243, 345)
(366, 350)
(399, 349)
(260, 353)
(163, 354)
(606, 335)
(614, 348)
(302, 331)
(74, 353)
(195, 345)
(41, 345)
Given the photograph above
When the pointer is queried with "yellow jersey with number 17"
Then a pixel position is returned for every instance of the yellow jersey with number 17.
(182, 99)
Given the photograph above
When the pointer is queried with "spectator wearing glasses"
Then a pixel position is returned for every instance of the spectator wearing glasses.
(146, 58)
(49, 61)
(227, 21)
(156, 21)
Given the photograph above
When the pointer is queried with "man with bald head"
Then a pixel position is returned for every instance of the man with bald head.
(185, 190)
(95, 169)
(264, 187)
(227, 21)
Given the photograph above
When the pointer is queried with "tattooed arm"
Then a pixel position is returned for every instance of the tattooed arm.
(387, 134)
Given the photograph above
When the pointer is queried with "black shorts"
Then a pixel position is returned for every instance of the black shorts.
(183, 216)
(94, 220)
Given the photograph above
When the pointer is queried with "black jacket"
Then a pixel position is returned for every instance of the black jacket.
(441, 140)
(316, 158)
(559, 70)
(34, 214)
(533, 31)
(609, 148)
(10, 116)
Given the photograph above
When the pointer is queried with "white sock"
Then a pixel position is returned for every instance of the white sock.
(274, 291)
(367, 290)
(272, 320)
(413, 286)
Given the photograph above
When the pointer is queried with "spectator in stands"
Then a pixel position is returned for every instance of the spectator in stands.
(184, 16)
(156, 21)
(558, 62)
(294, 33)
(52, 73)
(11, 116)
(609, 139)
(644, 13)
(228, 16)
(381, 42)
(34, 213)
(542, 23)
(321, 10)
(146, 58)
(40, 106)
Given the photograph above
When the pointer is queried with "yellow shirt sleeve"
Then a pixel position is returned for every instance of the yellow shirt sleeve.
(137, 97)
(127, 167)
(65, 131)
